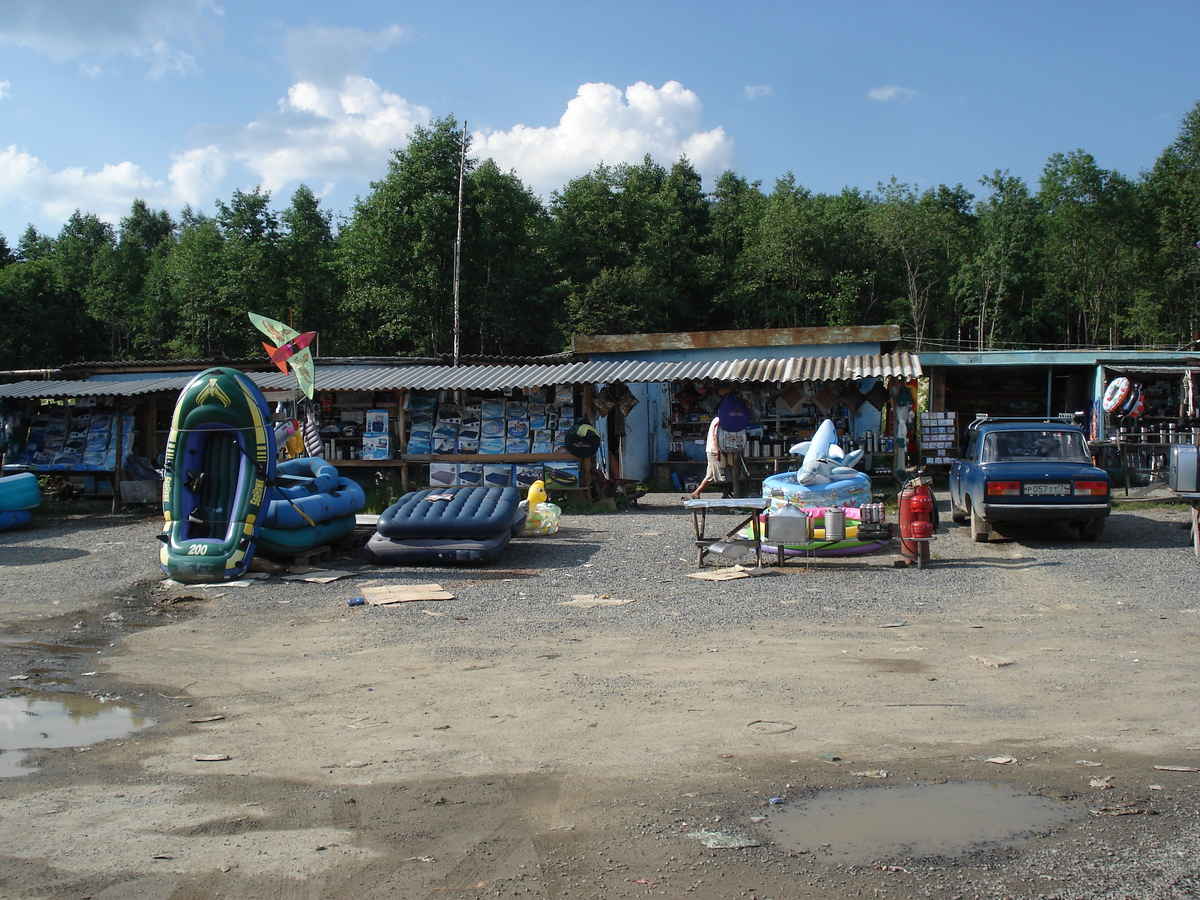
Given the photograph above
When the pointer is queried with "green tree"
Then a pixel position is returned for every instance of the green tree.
(506, 307)
(251, 274)
(1173, 201)
(195, 276)
(397, 251)
(312, 283)
(998, 282)
(1091, 250)
(84, 239)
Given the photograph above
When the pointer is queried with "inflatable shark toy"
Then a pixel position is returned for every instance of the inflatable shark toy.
(824, 460)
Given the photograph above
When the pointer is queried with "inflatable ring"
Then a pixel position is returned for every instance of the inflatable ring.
(1117, 394)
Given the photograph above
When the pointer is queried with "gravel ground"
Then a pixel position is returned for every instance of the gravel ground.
(627, 721)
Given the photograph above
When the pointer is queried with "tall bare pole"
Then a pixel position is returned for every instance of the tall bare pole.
(462, 165)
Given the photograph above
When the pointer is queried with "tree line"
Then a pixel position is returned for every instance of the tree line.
(1090, 257)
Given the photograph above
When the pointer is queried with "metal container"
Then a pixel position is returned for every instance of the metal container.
(1183, 469)
(789, 525)
(835, 525)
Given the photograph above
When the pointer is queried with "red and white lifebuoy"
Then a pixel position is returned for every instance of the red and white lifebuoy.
(1117, 393)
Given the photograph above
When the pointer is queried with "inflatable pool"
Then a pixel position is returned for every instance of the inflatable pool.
(846, 493)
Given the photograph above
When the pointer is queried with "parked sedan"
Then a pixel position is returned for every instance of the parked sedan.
(1028, 470)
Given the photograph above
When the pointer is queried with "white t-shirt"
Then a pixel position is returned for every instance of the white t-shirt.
(712, 444)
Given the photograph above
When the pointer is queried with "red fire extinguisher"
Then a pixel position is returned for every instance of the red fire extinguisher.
(918, 519)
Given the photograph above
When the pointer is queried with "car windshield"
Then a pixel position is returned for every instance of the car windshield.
(1055, 446)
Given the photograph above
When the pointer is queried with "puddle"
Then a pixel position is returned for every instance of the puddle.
(867, 825)
(43, 720)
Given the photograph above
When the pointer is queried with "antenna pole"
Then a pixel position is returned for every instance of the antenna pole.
(462, 165)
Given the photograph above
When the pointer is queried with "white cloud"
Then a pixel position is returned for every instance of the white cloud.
(328, 135)
(91, 33)
(327, 55)
(5, 87)
(24, 179)
(891, 92)
(602, 125)
(754, 91)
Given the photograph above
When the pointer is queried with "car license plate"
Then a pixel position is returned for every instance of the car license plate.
(1047, 489)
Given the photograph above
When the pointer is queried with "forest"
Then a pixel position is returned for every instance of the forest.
(1090, 257)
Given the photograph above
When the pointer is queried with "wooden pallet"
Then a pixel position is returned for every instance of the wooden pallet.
(309, 557)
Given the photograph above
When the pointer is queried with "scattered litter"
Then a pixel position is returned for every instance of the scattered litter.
(1119, 811)
(776, 801)
(758, 726)
(203, 719)
(587, 601)
(357, 601)
(382, 596)
(899, 624)
(1001, 760)
(18, 677)
(730, 573)
(1087, 762)
(719, 840)
(1156, 787)
(1177, 768)
(830, 757)
(318, 576)
(211, 757)
(1102, 784)
(420, 859)
(872, 773)
(355, 764)
(430, 612)
(757, 820)
(993, 662)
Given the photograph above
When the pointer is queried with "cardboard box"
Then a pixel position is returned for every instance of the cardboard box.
(443, 474)
(497, 474)
(376, 446)
(561, 474)
(470, 474)
(525, 474)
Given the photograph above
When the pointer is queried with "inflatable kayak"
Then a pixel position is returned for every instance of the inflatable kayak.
(220, 458)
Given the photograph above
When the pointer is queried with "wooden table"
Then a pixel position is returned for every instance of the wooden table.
(747, 511)
(1193, 501)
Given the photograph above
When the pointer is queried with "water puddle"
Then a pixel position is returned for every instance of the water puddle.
(41, 720)
(867, 825)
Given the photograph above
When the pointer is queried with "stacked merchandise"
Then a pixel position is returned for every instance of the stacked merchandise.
(939, 438)
(491, 429)
(60, 439)
(447, 526)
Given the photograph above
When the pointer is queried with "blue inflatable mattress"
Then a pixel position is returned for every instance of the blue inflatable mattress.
(460, 513)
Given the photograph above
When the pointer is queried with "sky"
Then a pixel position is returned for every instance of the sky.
(182, 102)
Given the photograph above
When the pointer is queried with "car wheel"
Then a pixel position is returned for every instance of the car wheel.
(957, 515)
(980, 531)
(1092, 529)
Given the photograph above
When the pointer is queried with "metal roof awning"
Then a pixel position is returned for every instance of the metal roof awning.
(381, 377)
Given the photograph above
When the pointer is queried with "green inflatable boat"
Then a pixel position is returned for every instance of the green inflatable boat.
(220, 458)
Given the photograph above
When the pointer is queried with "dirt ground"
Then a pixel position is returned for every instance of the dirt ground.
(427, 752)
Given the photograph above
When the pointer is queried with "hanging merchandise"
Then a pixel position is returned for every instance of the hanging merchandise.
(603, 403)
(582, 441)
(311, 429)
(1117, 393)
(733, 413)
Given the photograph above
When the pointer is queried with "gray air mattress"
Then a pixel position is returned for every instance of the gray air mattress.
(460, 513)
(436, 551)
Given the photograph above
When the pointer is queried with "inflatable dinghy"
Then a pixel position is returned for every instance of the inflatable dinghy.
(220, 458)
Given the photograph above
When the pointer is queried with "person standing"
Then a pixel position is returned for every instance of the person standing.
(712, 449)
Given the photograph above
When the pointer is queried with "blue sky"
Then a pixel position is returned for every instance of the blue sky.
(184, 101)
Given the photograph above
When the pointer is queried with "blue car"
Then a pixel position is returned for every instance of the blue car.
(1019, 471)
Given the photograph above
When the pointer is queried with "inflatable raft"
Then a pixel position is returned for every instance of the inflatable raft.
(309, 504)
(220, 458)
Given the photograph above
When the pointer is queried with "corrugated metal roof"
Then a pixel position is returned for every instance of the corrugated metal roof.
(501, 378)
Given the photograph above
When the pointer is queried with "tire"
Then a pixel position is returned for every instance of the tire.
(957, 515)
(1091, 529)
(980, 531)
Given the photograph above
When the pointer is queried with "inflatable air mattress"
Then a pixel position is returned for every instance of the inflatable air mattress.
(447, 526)
(466, 512)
